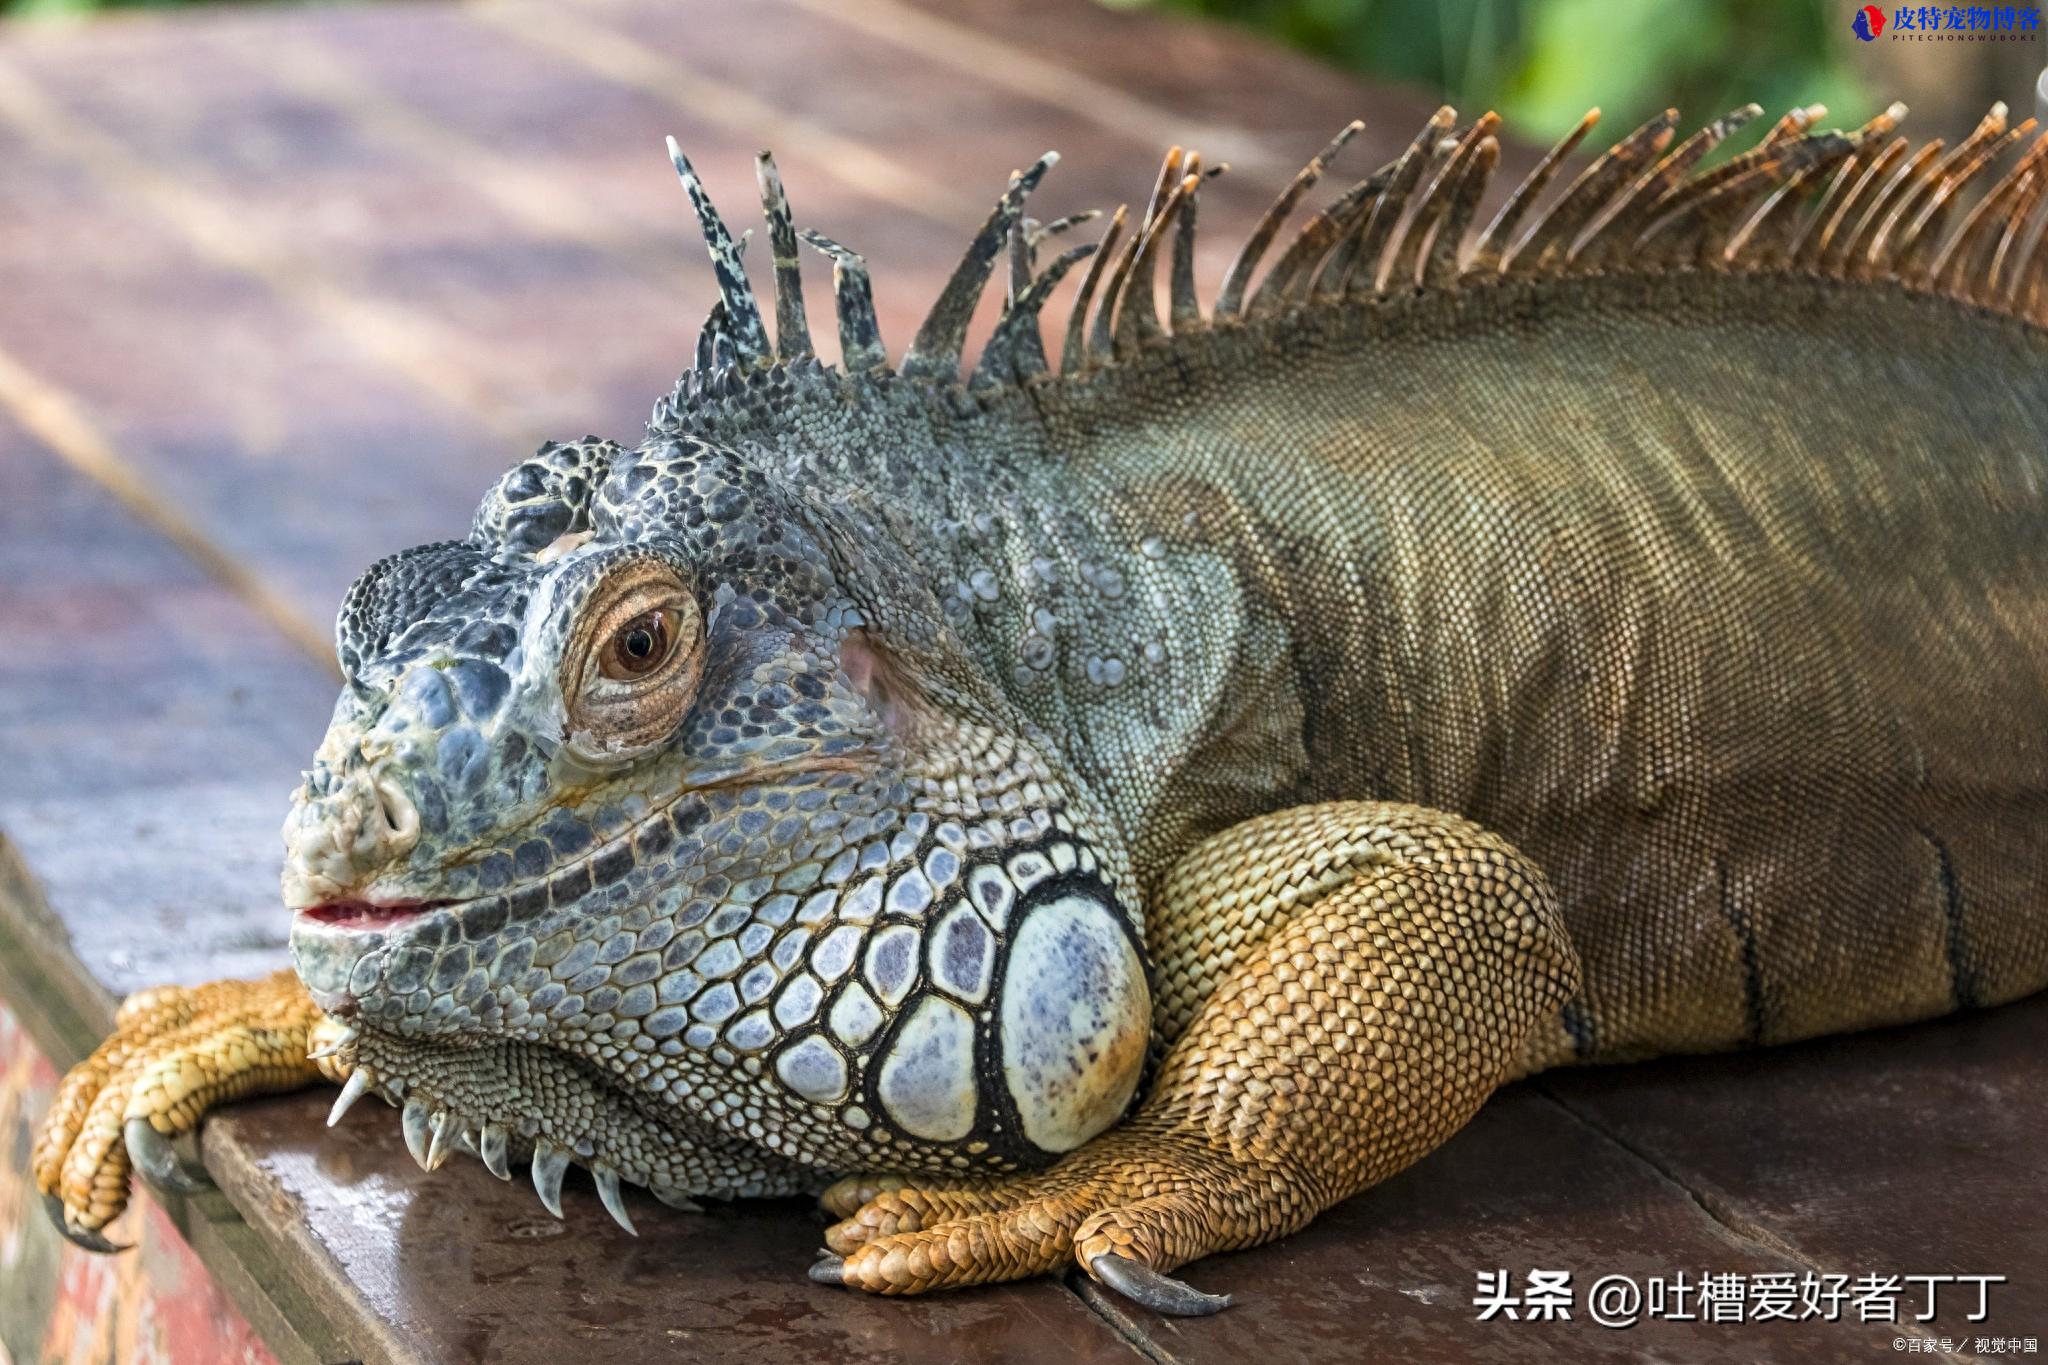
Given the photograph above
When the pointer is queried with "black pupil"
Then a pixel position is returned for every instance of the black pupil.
(640, 642)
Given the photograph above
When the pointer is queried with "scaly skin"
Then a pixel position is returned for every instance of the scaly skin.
(801, 796)
(1369, 935)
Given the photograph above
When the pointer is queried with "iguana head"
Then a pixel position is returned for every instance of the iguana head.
(664, 821)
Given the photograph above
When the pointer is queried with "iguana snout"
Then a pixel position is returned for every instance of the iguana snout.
(337, 841)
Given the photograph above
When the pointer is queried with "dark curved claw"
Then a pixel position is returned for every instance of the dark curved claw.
(151, 1154)
(78, 1237)
(828, 1269)
(682, 1203)
(1148, 1288)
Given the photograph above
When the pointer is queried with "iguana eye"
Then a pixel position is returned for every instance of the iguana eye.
(641, 646)
(630, 669)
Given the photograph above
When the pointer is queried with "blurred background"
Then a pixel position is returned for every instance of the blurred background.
(1541, 62)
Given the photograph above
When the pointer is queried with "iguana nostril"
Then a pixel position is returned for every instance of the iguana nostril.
(401, 817)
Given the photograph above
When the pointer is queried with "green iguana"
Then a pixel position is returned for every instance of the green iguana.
(1024, 799)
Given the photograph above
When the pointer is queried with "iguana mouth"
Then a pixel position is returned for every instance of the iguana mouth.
(367, 916)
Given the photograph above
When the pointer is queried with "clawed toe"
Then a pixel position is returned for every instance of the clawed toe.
(828, 1269)
(1148, 1288)
(79, 1237)
(156, 1161)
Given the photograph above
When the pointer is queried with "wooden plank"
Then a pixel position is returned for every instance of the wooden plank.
(1392, 1274)
(457, 1266)
(113, 798)
(151, 728)
(1159, 72)
(571, 156)
(401, 304)
(803, 65)
(265, 430)
(1907, 1151)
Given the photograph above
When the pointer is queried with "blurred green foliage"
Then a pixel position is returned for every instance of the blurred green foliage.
(1541, 63)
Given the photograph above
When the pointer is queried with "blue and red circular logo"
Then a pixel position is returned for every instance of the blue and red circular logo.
(1868, 23)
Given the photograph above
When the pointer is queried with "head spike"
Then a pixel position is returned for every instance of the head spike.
(1134, 300)
(1101, 340)
(1845, 199)
(1407, 250)
(1923, 226)
(1879, 245)
(1549, 237)
(1074, 353)
(1730, 191)
(2019, 184)
(714, 341)
(1614, 229)
(1230, 300)
(1803, 247)
(1025, 240)
(1861, 245)
(860, 336)
(1794, 124)
(1360, 253)
(1023, 259)
(935, 351)
(1102, 328)
(1331, 228)
(792, 332)
(1765, 235)
(2021, 286)
(1467, 178)
(1494, 241)
(716, 352)
(2016, 244)
(1137, 320)
(1186, 303)
(1015, 351)
(1743, 211)
(743, 316)
(1037, 234)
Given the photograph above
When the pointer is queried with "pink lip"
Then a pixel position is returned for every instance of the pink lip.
(365, 916)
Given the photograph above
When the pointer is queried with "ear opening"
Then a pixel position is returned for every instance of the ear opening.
(871, 671)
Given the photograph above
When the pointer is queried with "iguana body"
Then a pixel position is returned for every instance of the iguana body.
(801, 793)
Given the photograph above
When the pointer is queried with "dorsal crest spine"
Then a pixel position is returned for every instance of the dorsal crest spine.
(1860, 206)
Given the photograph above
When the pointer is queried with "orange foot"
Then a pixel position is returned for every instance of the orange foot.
(175, 1053)
(1127, 1208)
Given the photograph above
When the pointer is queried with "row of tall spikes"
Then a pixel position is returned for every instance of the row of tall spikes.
(1850, 205)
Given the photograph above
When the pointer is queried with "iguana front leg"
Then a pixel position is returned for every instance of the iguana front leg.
(175, 1052)
(1340, 986)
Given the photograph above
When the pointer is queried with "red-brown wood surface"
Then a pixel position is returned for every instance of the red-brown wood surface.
(281, 290)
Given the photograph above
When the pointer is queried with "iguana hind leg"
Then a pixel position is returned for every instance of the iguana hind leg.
(1342, 985)
(175, 1053)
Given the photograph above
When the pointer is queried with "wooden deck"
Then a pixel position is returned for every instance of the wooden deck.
(283, 290)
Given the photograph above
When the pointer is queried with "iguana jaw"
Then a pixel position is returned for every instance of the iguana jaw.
(514, 1103)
